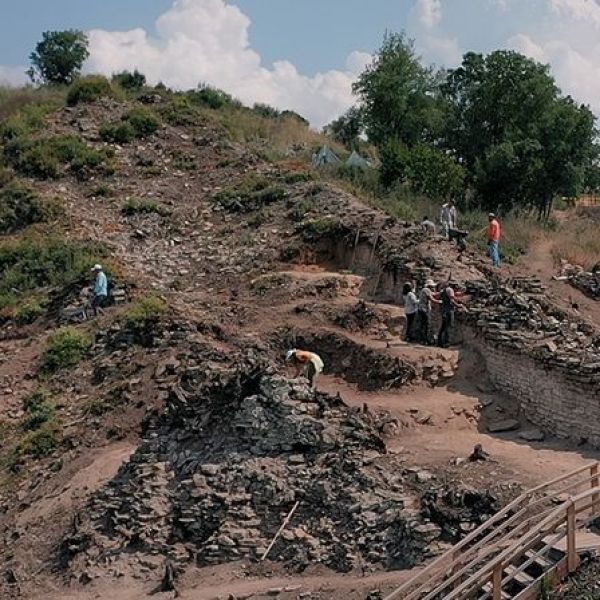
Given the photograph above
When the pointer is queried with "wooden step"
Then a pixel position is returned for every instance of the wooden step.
(487, 593)
(522, 578)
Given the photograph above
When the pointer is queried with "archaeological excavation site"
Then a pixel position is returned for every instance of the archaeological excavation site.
(166, 448)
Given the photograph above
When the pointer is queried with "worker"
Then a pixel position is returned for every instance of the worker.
(427, 297)
(448, 218)
(428, 226)
(449, 302)
(493, 234)
(411, 305)
(100, 290)
(310, 362)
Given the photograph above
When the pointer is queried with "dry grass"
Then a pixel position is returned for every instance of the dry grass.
(278, 136)
(13, 100)
(577, 241)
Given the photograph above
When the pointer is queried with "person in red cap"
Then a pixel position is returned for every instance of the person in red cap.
(493, 234)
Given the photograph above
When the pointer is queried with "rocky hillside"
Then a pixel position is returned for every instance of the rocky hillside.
(165, 435)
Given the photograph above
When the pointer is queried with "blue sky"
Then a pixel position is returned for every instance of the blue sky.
(315, 34)
(303, 54)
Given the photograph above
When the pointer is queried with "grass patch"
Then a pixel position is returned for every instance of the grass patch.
(14, 101)
(32, 309)
(40, 260)
(252, 193)
(135, 124)
(38, 410)
(19, 207)
(101, 191)
(184, 162)
(180, 111)
(89, 89)
(578, 242)
(147, 309)
(66, 348)
(44, 157)
(145, 206)
(42, 441)
(316, 228)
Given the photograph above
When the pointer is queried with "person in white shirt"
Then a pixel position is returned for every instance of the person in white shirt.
(411, 305)
(448, 218)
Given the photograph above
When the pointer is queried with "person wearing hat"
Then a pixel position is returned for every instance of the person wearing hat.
(493, 233)
(427, 297)
(100, 289)
(309, 362)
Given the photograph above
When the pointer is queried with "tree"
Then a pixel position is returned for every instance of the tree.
(427, 170)
(130, 81)
(58, 58)
(398, 95)
(347, 128)
(521, 142)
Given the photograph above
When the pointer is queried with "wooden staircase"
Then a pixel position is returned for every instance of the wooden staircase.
(534, 542)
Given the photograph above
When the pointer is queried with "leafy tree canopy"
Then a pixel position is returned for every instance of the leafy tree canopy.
(58, 57)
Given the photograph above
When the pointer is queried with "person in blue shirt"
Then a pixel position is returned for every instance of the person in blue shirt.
(100, 290)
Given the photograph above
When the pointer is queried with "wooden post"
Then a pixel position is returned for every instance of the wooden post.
(571, 540)
(595, 484)
(497, 582)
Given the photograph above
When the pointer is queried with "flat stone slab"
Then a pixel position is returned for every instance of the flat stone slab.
(532, 435)
(504, 425)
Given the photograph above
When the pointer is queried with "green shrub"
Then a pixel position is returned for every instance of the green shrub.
(89, 89)
(66, 348)
(252, 193)
(148, 308)
(184, 161)
(27, 313)
(43, 441)
(38, 410)
(301, 208)
(117, 133)
(38, 261)
(316, 228)
(212, 97)
(42, 157)
(266, 111)
(180, 112)
(297, 177)
(146, 206)
(137, 123)
(30, 118)
(6, 176)
(19, 207)
(130, 81)
(103, 190)
(143, 121)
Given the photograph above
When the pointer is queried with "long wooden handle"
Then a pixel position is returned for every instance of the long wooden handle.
(283, 525)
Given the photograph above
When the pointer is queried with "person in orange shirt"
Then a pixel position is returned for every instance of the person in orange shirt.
(494, 233)
(310, 362)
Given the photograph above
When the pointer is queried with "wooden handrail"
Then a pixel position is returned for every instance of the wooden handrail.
(453, 556)
(565, 513)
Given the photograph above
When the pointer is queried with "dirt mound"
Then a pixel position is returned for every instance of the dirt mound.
(218, 472)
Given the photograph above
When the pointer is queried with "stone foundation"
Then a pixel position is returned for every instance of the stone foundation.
(559, 403)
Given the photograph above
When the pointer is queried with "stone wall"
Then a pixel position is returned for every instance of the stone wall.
(560, 405)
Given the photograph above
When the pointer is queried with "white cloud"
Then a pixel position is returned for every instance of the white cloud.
(207, 41)
(13, 76)
(429, 12)
(562, 33)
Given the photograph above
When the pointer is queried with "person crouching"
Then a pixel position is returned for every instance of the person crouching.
(309, 362)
